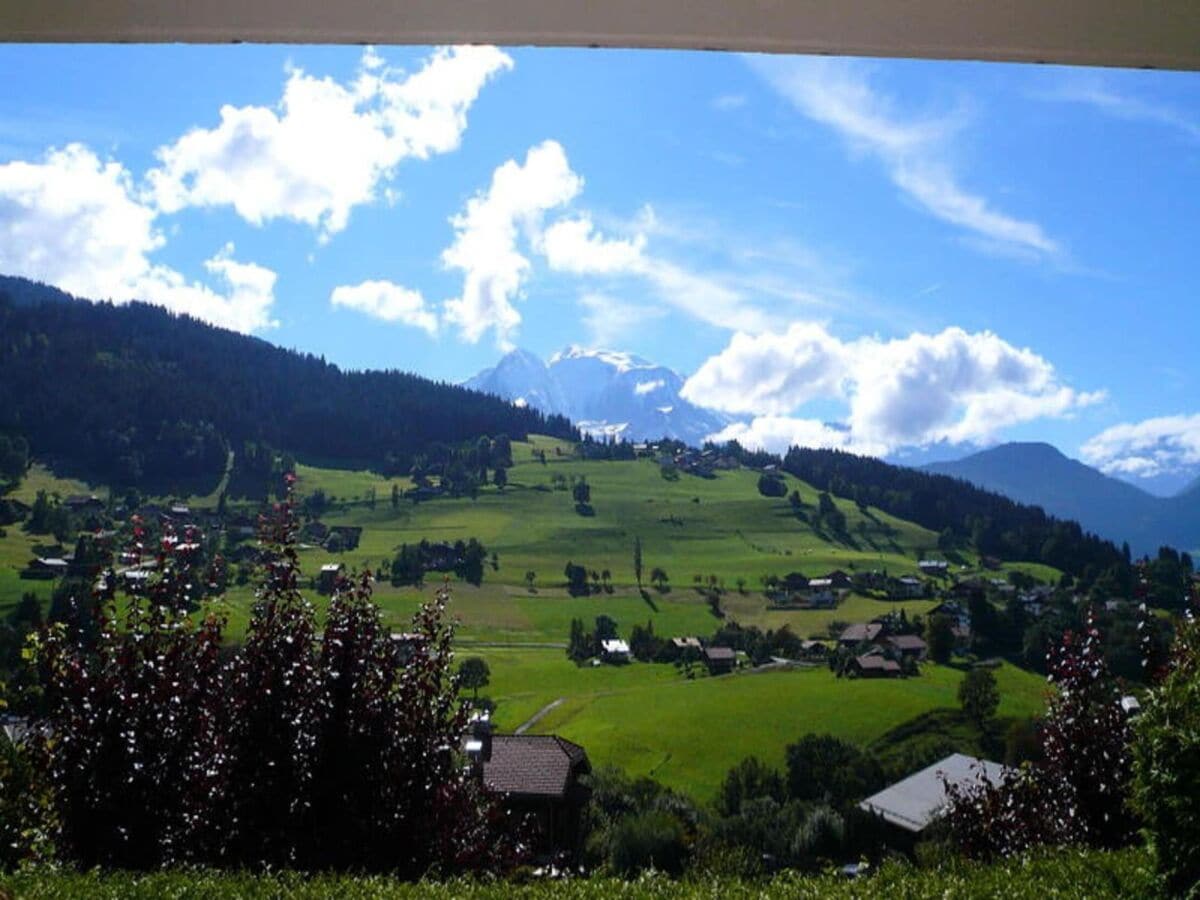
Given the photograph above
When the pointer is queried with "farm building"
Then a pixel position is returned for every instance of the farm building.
(908, 645)
(328, 576)
(720, 660)
(839, 580)
(684, 643)
(876, 665)
(913, 804)
(821, 594)
(46, 567)
(79, 503)
(614, 651)
(343, 537)
(859, 634)
(908, 587)
(406, 644)
(933, 566)
(540, 775)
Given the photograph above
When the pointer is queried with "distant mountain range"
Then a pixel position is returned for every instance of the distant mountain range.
(1039, 474)
(603, 392)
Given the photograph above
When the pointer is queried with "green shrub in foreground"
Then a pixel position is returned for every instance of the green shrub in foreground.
(1074, 874)
(1166, 767)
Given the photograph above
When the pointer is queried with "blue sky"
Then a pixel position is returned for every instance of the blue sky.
(881, 255)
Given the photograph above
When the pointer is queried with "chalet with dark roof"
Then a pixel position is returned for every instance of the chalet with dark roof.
(860, 634)
(720, 660)
(540, 775)
(876, 665)
(908, 645)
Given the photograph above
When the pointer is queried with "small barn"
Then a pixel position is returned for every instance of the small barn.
(541, 776)
(720, 660)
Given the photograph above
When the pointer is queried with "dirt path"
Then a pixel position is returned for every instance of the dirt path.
(537, 716)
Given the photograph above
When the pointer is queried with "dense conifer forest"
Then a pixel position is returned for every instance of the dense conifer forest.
(133, 394)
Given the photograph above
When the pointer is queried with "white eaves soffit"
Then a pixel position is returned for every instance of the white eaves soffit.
(1130, 33)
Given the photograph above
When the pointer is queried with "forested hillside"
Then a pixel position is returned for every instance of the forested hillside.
(131, 394)
(994, 525)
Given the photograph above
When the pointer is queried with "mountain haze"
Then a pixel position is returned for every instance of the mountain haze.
(603, 391)
(1039, 474)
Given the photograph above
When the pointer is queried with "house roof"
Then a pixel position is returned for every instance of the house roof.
(912, 804)
(720, 654)
(906, 642)
(860, 632)
(539, 765)
(873, 662)
(682, 642)
(616, 645)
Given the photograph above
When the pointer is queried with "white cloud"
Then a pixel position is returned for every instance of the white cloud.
(771, 374)
(72, 220)
(777, 433)
(610, 321)
(486, 235)
(952, 386)
(837, 93)
(1157, 446)
(574, 246)
(1090, 91)
(491, 233)
(327, 146)
(387, 301)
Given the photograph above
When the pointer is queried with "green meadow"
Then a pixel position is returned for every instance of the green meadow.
(651, 720)
(646, 718)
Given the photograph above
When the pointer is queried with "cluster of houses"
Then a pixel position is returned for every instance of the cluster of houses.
(719, 660)
(702, 463)
(334, 538)
(877, 651)
(796, 591)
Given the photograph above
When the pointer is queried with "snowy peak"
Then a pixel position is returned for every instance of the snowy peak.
(605, 392)
(622, 362)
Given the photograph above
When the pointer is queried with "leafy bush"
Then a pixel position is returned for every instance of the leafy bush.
(1166, 766)
(1077, 792)
(329, 753)
(648, 840)
(1091, 874)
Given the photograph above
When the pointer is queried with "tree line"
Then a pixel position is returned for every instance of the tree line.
(134, 395)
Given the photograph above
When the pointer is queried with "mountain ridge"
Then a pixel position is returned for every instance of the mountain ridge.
(1038, 473)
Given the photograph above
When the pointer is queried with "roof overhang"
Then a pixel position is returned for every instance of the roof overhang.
(1162, 34)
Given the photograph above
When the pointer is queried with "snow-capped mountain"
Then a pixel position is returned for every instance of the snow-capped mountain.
(604, 392)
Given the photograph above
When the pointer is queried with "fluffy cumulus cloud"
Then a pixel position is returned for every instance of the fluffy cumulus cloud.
(388, 302)
(74, 221)
(771, 374)
(838, 93)
(952, 386)
(327, 146)
(486, 241)
(1158, 446)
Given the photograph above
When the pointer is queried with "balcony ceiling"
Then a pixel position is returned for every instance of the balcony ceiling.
(1159, 33)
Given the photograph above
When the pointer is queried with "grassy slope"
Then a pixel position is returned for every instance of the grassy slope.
(646, 718)
(649, 719)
